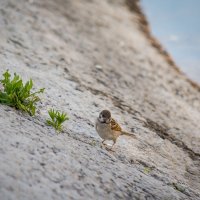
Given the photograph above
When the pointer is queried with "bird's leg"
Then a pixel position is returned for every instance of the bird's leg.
(114, 141)
(102, 143)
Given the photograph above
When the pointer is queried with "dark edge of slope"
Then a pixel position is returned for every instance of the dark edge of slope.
(134, 6)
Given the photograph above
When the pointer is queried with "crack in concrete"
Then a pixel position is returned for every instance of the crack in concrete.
(162, 133)
(158, 129)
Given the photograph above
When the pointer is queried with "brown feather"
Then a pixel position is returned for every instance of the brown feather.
(114, 125)
(128, 134)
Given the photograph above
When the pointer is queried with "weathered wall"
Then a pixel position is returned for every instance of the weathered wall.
(91, 55)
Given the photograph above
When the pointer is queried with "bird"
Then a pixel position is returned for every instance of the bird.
(108, 128)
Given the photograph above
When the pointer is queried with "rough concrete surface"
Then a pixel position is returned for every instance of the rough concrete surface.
(91, 55)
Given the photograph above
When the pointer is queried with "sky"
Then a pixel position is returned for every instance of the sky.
(176, 23)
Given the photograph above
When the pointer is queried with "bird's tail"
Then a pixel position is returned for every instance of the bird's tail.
(128, 134)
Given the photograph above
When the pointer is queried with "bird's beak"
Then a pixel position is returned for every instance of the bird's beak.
(108, 120)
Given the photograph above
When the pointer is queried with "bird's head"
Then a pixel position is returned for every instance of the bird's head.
(105, 116)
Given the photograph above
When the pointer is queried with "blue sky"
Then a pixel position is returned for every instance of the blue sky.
(176, 23)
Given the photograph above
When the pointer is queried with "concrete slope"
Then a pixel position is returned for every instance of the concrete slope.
(91, 55)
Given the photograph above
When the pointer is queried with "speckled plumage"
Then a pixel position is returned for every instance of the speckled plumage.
(108, 128)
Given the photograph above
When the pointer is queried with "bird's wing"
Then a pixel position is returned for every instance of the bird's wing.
(115, 126)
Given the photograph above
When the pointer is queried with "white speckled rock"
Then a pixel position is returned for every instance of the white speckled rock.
(91, 55)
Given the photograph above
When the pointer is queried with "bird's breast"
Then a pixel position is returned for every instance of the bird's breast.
(104, 130)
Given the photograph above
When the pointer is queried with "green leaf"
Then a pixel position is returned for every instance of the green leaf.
(17, 94)
(57, 119)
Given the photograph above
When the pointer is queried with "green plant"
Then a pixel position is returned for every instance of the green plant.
(57, 119)
(179, 187)
(147, 170)
(93, 143)
(18, 95)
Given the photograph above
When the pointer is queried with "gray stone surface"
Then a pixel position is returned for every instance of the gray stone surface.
(91, 55)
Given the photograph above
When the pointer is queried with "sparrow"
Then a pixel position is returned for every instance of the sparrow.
(108, 128)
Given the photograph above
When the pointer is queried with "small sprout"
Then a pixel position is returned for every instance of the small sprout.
(147, 170)
(93, 143)
(57, 119)
(178, 187)
(15, 94)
